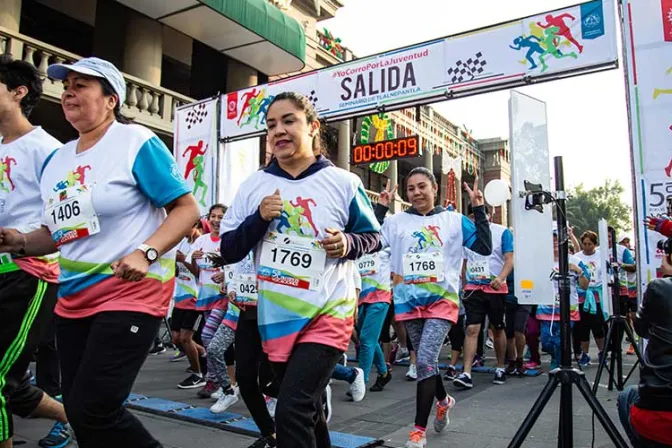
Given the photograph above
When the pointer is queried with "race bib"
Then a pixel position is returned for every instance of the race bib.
(245, 287)
(369, 264)
(423, 268)
(228, 274)
(478, 269)
(292, 261)
(70, 215)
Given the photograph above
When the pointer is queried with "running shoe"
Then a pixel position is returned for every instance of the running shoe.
(500, 377)
(451, 373)
(264, 442)
(442, 418)
(521, 370)
(178, 356)
(416, 439)
(490, 344)
(192, 382)
(402, 355)
(358, 388)
(631, 350)
(512, 368)
(271, 404)
(381, 382)
(532, 365)
(228, 399)
(478, 361)
(412, 373)
(585, 360)
(463, 382)
(216, 395)
(157, 349)
(209, 389)
(326, 403)
(59, 436)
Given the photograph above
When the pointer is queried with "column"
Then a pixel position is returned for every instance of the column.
(143, 49)
(393, 174)
(343, 157)
(10, 14)
(239, 76)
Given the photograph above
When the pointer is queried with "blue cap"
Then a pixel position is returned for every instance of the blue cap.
(95, 67)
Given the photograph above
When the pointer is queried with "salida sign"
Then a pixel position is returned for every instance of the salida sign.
(566, 41)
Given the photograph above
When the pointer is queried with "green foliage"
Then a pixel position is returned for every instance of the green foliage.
(586, 207)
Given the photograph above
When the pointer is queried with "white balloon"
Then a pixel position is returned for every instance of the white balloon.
(497, 192)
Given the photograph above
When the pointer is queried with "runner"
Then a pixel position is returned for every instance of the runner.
(592, 315)
(485, 292)
(516, 318)
(117, 266)
(28, 285)
(425, 266)
(627, 279)
(305, 306)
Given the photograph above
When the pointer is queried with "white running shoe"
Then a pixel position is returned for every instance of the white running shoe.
(216, 395)
(412, 373)
(416, 439)
(442, 418)
(224, 403)
(271, 404)
(358, 387)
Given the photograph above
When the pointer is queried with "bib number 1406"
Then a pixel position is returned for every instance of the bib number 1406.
(65, 212)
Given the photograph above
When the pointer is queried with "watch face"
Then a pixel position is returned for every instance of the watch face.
(152, 254)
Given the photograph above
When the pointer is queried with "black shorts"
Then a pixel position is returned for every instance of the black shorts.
(26, 305)
(516, 318)
(456, 335)
(185, 320)
(478, 304)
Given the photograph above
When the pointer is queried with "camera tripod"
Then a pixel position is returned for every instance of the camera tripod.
(566, 376)
(618, 325)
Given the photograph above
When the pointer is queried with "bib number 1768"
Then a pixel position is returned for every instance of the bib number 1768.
(422, 266)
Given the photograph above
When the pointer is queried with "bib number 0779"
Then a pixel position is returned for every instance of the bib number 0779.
(296, 259)
(66, 211)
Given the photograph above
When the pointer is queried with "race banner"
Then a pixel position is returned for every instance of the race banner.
(196, 144)
(648, 53)
(239, 160)
(546, 46)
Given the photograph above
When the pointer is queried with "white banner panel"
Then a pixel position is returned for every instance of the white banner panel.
(239, 160)
(542, 47)
(605, 257)
(532, 230)
(195, 149)
(648, 52)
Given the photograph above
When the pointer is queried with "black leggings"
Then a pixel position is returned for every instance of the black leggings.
(456, 335)
(385, 336)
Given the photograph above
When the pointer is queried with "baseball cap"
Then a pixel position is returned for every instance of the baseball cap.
(96, 67)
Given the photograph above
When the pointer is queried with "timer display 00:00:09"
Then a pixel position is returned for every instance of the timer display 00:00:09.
(398, 148)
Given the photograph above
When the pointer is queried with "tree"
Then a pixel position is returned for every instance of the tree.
(586, 207)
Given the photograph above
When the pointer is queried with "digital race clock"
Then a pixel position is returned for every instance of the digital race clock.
(398, 148)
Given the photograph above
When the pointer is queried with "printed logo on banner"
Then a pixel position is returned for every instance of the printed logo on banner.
(592, 20)
(232, 105)
(545, 40)
(467, 70)
(196, 115)
(666, 9)
(255, 104)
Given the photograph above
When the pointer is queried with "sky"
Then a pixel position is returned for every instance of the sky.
(587, 115)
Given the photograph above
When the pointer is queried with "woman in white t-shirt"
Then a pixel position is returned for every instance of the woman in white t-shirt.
(115, 206)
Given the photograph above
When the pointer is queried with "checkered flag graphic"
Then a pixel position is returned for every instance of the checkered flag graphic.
(312, 97)
(196, 115)
(467, 70)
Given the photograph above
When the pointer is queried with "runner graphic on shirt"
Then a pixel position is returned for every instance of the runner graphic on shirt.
(6, 174)
(194, 151)
(428, 237)
(198, 182)
(562, 29)
(73, 177)
(296, 216)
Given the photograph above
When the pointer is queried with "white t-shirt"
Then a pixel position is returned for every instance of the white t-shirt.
(186, 286)
(209, 294)
(594, 265)
(115, 192)
(21, 165)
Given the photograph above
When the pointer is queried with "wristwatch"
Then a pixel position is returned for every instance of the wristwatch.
(151, 254)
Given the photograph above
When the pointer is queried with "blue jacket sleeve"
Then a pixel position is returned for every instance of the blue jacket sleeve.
(362, 230)
(236, 244)
(476, 235)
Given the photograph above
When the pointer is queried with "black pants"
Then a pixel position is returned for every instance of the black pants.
(253, 373)
(100, 358)
(299, 417)
(26, 303)
(48, 370)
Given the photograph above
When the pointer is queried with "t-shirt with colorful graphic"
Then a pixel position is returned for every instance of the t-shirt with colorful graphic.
(552, 312)
(209, 294)
(304, 296)
(426, 262)
(594, 264)
(481, 270)
(113, 192)
(186, 286)
(21, 165)
(374, 270)
(627, 281)
(242, 281)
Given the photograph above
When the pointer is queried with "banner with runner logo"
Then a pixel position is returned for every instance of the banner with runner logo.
(546, 46)
(239, 160)
(195, 149)
(648, 53)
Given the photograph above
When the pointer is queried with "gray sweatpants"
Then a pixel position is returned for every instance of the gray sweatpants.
(427, 336)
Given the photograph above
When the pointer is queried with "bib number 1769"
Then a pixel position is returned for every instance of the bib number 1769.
(293, 258)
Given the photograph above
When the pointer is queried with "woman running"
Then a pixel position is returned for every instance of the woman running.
(115, 206)
(427, 251)
(303, 216)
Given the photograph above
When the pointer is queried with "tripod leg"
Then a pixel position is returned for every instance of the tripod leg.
(601, 366)
(535, 412)
(599, 411)
(566, 431)
(618, 351)
(631, 335)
